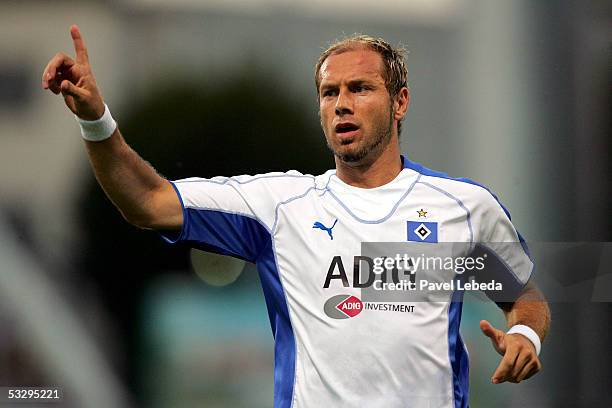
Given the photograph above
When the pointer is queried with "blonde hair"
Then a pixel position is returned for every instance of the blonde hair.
(394, 72)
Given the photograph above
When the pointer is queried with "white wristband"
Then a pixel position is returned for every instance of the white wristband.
(529, 333)
(99, 129)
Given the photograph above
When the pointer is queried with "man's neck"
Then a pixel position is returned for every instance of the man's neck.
(372, 172)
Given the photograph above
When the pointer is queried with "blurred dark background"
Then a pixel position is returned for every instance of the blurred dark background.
(516, 95)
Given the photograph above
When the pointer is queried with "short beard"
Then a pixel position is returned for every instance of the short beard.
(383, 136)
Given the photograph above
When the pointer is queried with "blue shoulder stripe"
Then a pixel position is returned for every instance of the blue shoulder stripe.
(419, 168)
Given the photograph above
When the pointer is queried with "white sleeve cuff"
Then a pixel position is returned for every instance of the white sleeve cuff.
(529, 333)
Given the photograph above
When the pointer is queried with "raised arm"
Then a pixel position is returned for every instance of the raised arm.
(143, 197)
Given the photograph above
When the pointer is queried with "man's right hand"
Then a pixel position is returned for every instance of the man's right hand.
(143, 197)
(75, 80)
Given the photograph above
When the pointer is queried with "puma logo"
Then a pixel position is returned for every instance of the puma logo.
(320, 226)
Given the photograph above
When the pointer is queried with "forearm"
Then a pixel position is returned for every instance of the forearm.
(143, 197)
(127, 179)
(530, 309)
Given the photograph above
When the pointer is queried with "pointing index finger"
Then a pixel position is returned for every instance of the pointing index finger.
(79, 45)
(502, 372)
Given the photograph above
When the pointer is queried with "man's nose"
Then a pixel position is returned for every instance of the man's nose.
(344, 103)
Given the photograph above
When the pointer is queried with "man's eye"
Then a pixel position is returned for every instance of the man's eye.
(329, 92)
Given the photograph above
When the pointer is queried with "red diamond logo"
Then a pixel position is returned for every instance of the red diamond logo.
(350, 306)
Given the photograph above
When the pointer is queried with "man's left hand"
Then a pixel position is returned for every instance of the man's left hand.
(520, 359)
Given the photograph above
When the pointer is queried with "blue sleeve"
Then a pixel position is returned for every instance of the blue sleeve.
(234, 231)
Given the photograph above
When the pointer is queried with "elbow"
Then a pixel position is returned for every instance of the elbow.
(154, 220)
(139, 220)
(156, 210)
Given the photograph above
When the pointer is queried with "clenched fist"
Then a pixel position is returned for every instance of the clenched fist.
(75, 80)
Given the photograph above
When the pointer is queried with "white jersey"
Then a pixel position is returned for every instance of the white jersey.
(303, 232)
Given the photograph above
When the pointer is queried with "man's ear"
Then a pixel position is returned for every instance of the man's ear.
(401, 103)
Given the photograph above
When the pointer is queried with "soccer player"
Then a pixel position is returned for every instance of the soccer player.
(331, 348)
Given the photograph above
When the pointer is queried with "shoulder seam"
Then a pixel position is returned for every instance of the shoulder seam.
(462, 180)
(254, 178)
(438, 174)
(468, 216)
(292, 198)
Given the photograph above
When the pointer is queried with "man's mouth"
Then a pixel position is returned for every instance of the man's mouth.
(346, 130)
